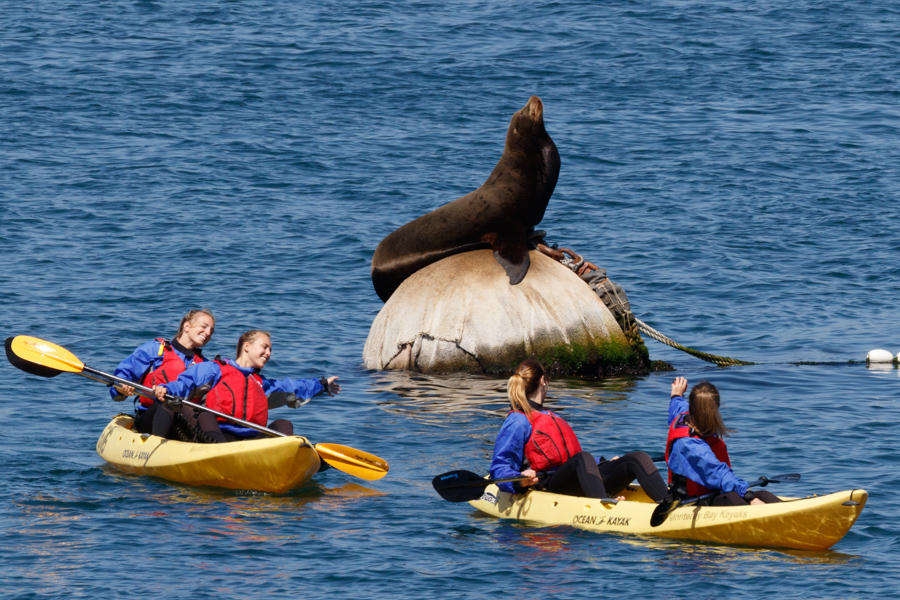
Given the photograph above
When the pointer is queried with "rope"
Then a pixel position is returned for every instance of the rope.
(615, 299)
(722, 361)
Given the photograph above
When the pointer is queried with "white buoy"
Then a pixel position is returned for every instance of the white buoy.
(879, 356)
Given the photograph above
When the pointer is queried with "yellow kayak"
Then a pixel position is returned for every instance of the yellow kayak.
(812, 523)
(274, 465)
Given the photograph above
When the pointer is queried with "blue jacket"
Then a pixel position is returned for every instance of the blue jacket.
(209, 373)
(694, 459)
(509, 449)
(145, 358)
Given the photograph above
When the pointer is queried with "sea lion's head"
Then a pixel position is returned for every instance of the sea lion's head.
(533, 153)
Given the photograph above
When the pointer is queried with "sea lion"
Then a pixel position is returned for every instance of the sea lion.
(499, 215)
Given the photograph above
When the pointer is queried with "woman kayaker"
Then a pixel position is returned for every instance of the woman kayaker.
(236, 388)
(696, 453)
(161, 361)
(534, 439)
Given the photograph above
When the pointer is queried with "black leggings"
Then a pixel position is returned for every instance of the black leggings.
(209, 425)
(159, 418)
(581, 476)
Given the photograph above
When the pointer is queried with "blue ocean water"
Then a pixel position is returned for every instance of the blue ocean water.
(733, 165)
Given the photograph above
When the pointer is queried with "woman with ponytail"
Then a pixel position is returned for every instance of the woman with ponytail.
(160, 361)
(696, 452)
(537, 443)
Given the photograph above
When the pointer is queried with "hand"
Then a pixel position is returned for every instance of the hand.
(679, 386)
(529, 482)
(124, 390)
(756, 501)
(331, 388)
(160, 392)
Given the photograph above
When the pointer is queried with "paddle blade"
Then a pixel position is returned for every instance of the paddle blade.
(661, 512)
(38, 357)
(26, 366)
(460, 486)
(788, 478)
(355, 462)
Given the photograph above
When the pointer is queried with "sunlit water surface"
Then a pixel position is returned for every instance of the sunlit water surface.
(732, 165)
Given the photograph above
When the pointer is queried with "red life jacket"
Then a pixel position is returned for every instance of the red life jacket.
(171, 367)
(680, 429)
(552, 441)
(239, 395)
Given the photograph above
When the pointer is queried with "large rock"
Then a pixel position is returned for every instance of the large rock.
(461, 315)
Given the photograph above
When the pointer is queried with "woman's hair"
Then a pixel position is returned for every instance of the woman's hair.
(250, 337)
(193, 314)
(523, 383)
(704, 408)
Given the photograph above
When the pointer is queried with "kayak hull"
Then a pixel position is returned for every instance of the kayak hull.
(274, 465)
(812, 523)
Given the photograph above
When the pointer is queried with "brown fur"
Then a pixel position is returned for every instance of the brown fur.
(499, 215)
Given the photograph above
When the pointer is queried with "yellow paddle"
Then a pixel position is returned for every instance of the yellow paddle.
(353, 461)
(46, 359)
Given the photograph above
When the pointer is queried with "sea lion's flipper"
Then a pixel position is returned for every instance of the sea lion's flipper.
(512, 254)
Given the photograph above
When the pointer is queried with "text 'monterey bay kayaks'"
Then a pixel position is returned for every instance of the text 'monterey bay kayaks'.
(814, 523)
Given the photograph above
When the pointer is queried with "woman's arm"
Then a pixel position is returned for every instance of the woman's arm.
(509, 449)
(694, 459)
(302, 388)
(133, 368)
(197, 375)
(677, 403)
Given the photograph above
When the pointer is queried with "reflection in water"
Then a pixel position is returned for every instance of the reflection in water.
(881, 368)
(427, 396)
(691, 557)
(241, 516)
(517, 536)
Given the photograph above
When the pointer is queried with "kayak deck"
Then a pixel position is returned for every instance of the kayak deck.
(813, 523)
(274, 465)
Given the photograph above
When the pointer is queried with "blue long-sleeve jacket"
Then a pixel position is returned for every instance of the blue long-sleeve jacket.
(509, 449)
(209, 373)
(146, 357)
(694, 459)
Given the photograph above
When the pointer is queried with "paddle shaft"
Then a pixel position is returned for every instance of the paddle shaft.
(45, 359)
(445, 483)
(148, 392)
(486, 482)
(762, 481)
(661, 512)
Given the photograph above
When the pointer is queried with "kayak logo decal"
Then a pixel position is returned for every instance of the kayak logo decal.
(603, 520)
(137, 455)
(489, 498)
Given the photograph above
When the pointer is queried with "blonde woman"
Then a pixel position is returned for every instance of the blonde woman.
(538, 444)
(696, 452)
(235, 387)
(160, 361)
